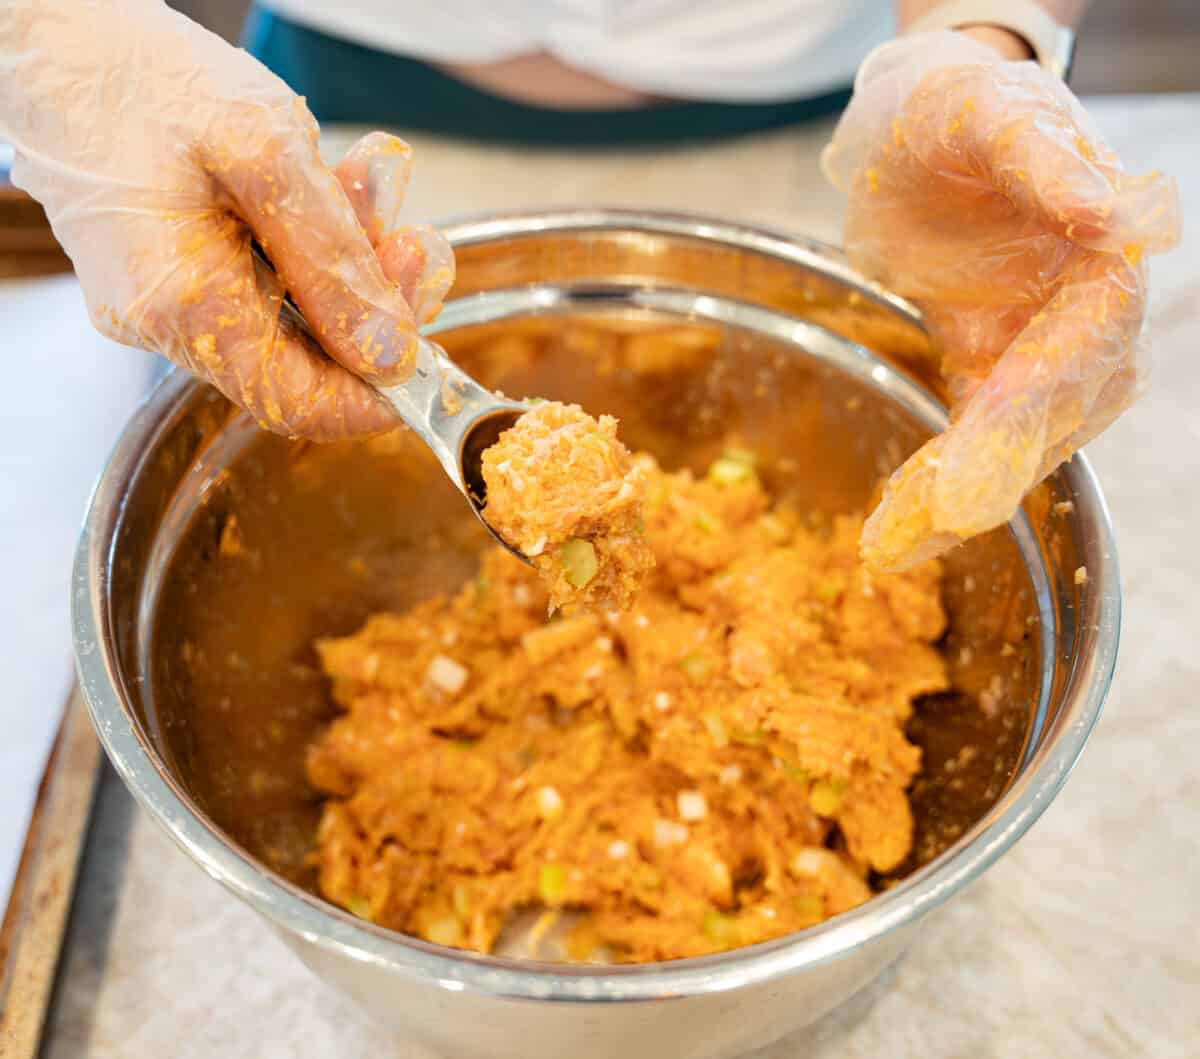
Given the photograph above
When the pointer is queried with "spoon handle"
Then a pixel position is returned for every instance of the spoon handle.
(440, 402)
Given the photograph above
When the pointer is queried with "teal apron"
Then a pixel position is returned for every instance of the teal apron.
(347, 82)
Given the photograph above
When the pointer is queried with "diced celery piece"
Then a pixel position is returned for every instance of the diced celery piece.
(694, 665)
(578, 558)
(729, 472)
(732, 467)
(827, 591)
(716, 729)
(721, 928)
(552, 883)
(749, 738)
(809, 907)
(824, 798)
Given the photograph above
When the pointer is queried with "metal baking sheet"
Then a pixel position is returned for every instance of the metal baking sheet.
(34, 924)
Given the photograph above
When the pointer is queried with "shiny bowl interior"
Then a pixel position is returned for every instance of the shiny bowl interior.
(196, 656)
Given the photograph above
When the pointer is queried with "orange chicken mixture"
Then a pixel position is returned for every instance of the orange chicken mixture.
(720, 763)
(564, 491)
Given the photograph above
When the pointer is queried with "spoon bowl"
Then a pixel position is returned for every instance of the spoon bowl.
(458, 419)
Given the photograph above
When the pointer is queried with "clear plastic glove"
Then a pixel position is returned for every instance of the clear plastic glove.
(981, 190)
(157, 150)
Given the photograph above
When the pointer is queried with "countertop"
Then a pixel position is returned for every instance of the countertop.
(1080, 942)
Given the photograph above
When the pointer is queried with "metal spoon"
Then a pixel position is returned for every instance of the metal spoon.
(447, 409)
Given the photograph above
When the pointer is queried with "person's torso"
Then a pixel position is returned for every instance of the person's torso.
(724, 50)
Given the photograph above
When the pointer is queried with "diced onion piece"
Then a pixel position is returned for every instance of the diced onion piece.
(549, 801)
(618, 849)
(445, 930)
(730, 775)
(809, 862)
(447, 675)
(692, 805)
(578, 558)
(669, 833)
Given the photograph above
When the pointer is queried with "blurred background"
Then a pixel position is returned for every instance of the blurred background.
(1124, 45)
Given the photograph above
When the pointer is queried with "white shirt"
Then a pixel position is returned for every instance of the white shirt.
(728, 50)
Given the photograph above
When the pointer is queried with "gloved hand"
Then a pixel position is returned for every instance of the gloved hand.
(980, 189)
(156, 150)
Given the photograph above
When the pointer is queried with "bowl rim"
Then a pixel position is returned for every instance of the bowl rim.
(329, 928)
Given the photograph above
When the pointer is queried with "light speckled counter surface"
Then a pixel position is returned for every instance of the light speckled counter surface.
(1080, 942)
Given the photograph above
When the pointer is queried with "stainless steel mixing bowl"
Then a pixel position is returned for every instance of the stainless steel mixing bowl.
(213, 555)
